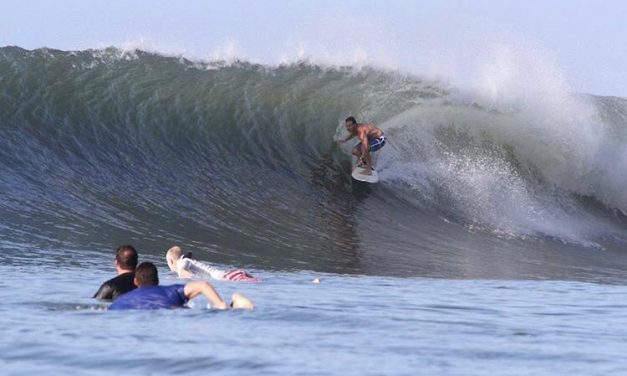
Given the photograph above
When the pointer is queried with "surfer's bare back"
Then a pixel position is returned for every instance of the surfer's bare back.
(370, 138)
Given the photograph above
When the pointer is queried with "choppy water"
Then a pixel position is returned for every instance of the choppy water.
(355, 325)
(493, 243)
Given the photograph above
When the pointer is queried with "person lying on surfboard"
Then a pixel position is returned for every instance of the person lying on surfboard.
(187, 267)
(150, 295)
(370, 138)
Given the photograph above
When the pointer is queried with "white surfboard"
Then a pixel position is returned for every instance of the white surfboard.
(359, 174)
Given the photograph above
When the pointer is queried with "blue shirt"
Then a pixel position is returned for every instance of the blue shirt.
(151, 297)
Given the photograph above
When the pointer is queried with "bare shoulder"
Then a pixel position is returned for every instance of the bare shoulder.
(364, 128)
(368, 127)
(370, 130)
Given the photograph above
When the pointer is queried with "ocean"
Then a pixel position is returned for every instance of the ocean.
(493, 243)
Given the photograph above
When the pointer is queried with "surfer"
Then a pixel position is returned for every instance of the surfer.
(125, 264)
(187, 267)
(149, 295)
(370, 138)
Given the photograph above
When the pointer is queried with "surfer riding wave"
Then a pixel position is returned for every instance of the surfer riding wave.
(370, 138)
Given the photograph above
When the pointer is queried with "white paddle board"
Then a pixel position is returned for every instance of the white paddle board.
(359, 174)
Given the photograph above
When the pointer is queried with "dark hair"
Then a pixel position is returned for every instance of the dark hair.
(187, 255)
(146, 275)
(126, 256)
(351, 119)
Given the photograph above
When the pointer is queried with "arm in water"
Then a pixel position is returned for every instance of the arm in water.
(238, 301)
(193, 289)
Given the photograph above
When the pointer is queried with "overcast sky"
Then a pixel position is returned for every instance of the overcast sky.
(584, 40)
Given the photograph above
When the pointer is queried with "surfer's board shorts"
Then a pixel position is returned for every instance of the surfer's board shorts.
(374, 144)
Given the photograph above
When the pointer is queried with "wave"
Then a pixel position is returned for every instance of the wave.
(106, 145)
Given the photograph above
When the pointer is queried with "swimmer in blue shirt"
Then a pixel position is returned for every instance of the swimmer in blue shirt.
(149, 295)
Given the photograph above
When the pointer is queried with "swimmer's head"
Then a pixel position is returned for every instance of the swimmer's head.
(126, 257)
(172, 256)
(146, 275)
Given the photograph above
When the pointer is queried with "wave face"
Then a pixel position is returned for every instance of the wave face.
(236, 161)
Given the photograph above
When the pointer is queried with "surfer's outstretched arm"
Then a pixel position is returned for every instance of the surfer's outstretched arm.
(343, 140)
(238, 301)
(193, 289)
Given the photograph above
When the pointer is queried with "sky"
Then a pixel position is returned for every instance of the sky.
(582, 41)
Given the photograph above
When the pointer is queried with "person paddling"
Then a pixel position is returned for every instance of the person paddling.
(149, 295)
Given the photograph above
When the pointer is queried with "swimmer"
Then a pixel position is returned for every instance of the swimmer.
(187, 267)
(149, 295)
(125, 264)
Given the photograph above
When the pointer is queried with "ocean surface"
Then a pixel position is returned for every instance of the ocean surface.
(494, 242)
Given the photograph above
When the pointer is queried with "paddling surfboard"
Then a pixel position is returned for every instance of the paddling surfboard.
(359, 174)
